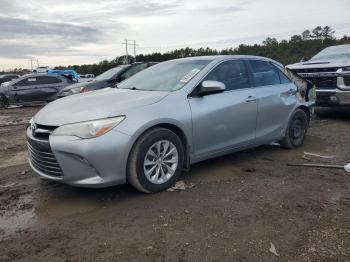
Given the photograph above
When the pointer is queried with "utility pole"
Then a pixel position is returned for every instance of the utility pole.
(126, 51)
(126, 60)
(134, 51)
(37, 62)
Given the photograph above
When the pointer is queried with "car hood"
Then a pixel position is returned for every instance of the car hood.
(104, 103)
(320, 64)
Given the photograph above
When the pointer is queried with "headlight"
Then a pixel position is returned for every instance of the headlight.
(76, 90)
(346, 68)
(30, 123)
(90, 129)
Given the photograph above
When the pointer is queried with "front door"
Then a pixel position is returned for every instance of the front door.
(226, 120)
(24, 90)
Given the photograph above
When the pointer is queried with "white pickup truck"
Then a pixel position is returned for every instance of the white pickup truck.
(329, 71)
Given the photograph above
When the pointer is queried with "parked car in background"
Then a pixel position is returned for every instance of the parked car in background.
(106, 79)
(8, 78)
(164, 119)
(86, 78)
(41, 69)
(33, 88)
(329, 71)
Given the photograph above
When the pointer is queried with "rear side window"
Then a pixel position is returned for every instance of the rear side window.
(284, 78)
(132, 71)
(233, 74)
(47, 80)
(264, 74)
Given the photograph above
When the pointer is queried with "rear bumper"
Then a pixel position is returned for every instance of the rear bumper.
(333, 97)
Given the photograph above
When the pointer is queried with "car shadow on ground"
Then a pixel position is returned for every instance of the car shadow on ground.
(335, 113)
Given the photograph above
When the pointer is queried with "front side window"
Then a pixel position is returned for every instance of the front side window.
(264, 74)
(167, 76)
(233, 74)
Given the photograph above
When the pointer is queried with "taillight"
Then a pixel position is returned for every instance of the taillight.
(85, 89)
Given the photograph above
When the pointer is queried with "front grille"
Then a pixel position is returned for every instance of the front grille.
(40, 153)
(347, 80)
(43, 132)
(316, 70)
(321, 82)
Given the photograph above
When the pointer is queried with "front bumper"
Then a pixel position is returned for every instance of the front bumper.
(333, 97)
(97, 162)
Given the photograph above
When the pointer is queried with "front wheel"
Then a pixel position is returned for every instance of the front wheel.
(156, 161)
(4, 102)
(296, 130)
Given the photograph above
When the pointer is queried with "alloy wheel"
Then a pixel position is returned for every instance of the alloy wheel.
(161, 162)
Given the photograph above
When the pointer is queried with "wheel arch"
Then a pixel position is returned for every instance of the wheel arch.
(175, 129)
(306, 110)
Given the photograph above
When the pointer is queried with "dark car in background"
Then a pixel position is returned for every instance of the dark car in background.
(8, 78)
(33, 88)
(106, 79)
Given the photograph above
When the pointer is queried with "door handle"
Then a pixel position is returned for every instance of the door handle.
(250, 99)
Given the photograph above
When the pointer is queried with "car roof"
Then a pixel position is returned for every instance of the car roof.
(36, 75)
(225, 57)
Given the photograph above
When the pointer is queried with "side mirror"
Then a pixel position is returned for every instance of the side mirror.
(211, 87)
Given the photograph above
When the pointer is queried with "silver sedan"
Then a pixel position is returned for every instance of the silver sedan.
(165, 118)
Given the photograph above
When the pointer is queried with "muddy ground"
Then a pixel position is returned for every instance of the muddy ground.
(240, 204)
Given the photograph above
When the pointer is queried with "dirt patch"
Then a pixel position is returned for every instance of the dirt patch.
(240, 204)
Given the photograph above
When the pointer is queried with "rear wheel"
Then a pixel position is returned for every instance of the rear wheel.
(296, 130)
(155, 161)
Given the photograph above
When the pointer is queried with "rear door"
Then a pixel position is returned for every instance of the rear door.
(226, 120)
(276, 99)
(48, 87)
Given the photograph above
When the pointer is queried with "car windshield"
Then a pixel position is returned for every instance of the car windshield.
(108, 74)
(334, 52)
(167, 76)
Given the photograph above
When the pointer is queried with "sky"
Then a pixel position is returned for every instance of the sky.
(69, 32)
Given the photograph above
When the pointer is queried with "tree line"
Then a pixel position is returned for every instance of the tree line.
(298, 47)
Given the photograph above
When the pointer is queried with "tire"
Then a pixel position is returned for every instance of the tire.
(145, 155)
(4, 102)
(296, 130)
